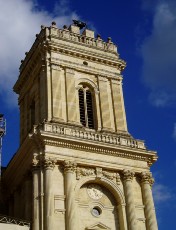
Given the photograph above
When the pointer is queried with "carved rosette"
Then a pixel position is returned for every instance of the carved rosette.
(69, 166)
(49, 163)
(128, 175)
(146, 177)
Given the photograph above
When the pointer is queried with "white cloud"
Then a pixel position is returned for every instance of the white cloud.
(20, 20)
(159, 55)
(161, 193)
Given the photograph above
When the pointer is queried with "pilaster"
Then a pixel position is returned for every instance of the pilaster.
(35, 201)
(48, 166)
(130, 206)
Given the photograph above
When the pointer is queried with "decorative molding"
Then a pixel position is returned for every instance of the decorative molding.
(103, 150)
(87, 69)
(81, 81)
(56, 67)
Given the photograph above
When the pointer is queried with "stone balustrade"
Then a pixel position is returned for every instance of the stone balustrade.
(93, 135)
(96, 42)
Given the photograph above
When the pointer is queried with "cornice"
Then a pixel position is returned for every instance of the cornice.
(88, 55)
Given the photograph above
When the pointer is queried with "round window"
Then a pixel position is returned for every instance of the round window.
(96, 211)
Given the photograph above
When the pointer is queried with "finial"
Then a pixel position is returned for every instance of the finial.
(65, 27)
(109, 39)
(42, 27)
(53, 23)
(98, 36)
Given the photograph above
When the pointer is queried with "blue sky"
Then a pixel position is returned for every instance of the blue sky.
(145, 33)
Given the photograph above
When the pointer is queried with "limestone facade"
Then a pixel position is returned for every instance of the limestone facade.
(77, 166)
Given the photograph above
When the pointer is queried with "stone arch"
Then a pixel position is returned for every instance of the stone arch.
(113, 188)
(88, 82)
(110, 185)
(95, 91)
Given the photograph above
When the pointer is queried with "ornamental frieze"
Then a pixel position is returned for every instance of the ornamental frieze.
(97, 172)
(80, 172)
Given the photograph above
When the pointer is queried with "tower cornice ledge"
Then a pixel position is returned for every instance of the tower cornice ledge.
(117, 144)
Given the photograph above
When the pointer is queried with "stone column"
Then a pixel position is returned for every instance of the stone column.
(128, 188)
(17, 203)
(122, 216)
(71, 219)
(35, 206)
(27, 196)
(146, 182)
(48, 196)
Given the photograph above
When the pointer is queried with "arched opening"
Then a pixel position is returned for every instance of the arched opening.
(86, 106)
(97, 207)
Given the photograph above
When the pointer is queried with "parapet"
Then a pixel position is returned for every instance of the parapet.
(78, 34)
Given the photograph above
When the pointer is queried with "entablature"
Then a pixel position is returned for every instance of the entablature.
(56, 63)
(120, 144)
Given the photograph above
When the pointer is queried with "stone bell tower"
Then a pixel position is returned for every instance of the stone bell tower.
(77, 166)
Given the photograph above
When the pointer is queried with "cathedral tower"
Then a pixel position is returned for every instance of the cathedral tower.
(77, 166)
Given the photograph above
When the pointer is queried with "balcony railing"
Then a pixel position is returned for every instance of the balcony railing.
(92, 135)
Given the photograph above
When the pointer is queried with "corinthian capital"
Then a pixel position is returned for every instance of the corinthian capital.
(69, 166)
(49, 163)
(127, 174)
(147, 177)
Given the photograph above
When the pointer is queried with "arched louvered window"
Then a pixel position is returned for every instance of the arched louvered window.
(86, 107)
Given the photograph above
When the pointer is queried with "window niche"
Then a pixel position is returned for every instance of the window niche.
(87, 106)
